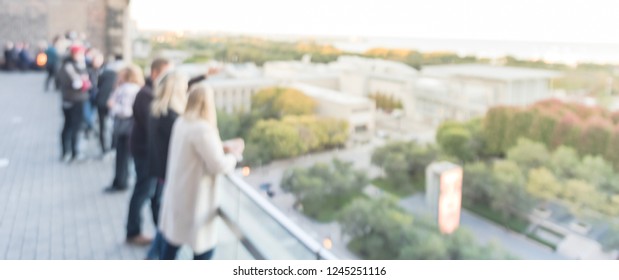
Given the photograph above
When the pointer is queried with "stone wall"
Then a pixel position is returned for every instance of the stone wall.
(103, 21)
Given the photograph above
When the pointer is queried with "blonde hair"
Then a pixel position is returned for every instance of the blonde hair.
(170, 93)
(132, 74)
(201, 104)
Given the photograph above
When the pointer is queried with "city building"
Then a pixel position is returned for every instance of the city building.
(106, 23)
(461, 92)
(303, 72)
(232, 95)
(357, 110)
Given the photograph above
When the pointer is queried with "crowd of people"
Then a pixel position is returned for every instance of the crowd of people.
(166, 123)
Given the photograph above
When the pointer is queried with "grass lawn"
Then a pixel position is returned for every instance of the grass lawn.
(415, 186)
(516, 225)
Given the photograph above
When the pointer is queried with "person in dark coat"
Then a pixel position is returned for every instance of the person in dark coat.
(52, 63)
(170, 100)
(74, 85)
(144, 184)
(10, 56)
(106, 84)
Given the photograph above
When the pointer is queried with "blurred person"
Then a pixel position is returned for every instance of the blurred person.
(196, 158)
(145, 185)
(105, 86)
(74, 85)
(52, 63)
(130, 80)
(94, 64)
(22, 55)
(10, 56)
(168, 104)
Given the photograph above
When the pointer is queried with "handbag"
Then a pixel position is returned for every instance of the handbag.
(122, 127)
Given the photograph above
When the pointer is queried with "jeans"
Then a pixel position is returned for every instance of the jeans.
(123, 156)
(169, 251)
(89, 116)
(157, 246)
(102, 112)
(71, 128)
(145, 188)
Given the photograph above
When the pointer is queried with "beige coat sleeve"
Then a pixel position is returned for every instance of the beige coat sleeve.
(210, 149)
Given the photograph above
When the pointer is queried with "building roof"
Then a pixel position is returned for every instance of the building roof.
(373, 65)
(492, 72)
(240, 82)
(331, 95)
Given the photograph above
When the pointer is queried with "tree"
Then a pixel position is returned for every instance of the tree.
(596, 135)
(543, 184)
(278, 102)
(610, 239)
(229, 125)
(324, 189)
(477, 184)
(455, 140)
(378, 227)
(277, 139)
(563, 162)
(579, 195)
(495, 129)
(509, 196)
(597, 172)
(396, 170)
(528, 154)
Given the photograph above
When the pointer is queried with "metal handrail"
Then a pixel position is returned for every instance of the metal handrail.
(292, 228)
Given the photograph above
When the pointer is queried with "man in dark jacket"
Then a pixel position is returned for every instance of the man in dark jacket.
(106, 84)
(145, 184)
(74, 85)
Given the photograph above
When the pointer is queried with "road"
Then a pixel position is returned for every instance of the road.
(486, 231)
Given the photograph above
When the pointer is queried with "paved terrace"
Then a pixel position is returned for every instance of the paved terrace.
(51, 210)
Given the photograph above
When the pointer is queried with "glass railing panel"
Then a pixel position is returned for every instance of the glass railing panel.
(271, 234)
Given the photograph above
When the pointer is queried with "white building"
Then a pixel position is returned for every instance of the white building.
(302, 72)
(233, 95)
(358, 111)
(366, 76)
(460, 92)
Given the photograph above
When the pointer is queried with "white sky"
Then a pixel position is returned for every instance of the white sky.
(593, 21)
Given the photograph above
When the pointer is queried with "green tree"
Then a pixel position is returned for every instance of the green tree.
(564, 161)
(278, 102)
(324, 189)
(455, 140)
(528, 154)
(509, 196)
(477, 184)
(543, 184)
(610, 239)
(597, 172)
(229, 125)
(580, 196)
(277, 139)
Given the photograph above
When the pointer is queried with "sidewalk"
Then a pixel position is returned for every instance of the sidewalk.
(51, 210)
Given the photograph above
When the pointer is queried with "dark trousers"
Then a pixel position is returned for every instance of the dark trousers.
(72, 122)
(123, 156)
(51, 77)
(169, 251)
(103, 112)
(145, 188)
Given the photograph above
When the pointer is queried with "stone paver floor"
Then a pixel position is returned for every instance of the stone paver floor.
(48, 209)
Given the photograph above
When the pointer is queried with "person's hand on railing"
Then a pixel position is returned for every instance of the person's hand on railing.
(235, 147)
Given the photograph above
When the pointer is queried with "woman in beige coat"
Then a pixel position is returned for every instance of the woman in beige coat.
(196, 157)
